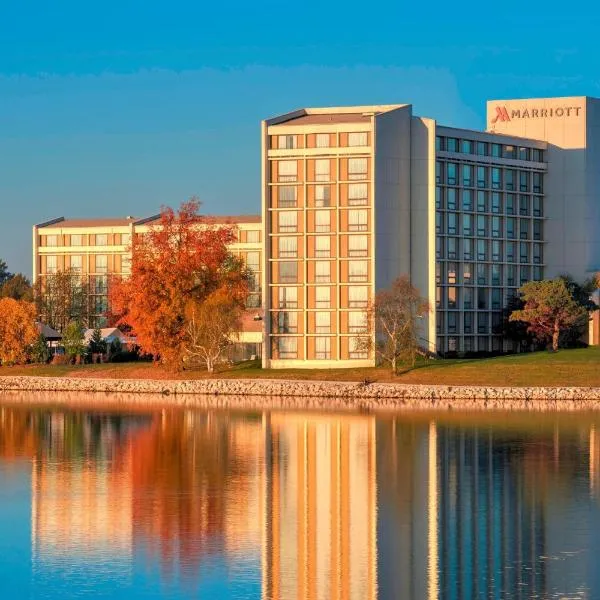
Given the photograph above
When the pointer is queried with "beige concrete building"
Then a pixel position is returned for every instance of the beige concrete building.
(96, 249)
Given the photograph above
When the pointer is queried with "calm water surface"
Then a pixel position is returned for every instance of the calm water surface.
(149, 503)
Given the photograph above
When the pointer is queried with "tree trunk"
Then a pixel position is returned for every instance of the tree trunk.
(394, 365)
(209, 365)
(555, 336)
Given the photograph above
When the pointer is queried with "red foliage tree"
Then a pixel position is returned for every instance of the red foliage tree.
(183, 257)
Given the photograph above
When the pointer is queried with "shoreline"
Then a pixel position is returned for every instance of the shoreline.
(278, 394)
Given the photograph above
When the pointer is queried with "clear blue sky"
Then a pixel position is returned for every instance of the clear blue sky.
(116, 108)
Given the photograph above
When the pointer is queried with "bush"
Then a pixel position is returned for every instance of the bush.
(60, 359)
(124, 356)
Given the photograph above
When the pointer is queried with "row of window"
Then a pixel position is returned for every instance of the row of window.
(357, 220)
(287, 322)
(451, 344)
(358, 297)
(287, 247)
(467, 274)
(76, 263)
(496, 178)
(485, 226)
(287, 195)
(288, 271)
(99, 239)
(321, 140)
(468, 322)
(286, 348)
(287, 170)
(510, 151)
(485, 250)
(495, 202)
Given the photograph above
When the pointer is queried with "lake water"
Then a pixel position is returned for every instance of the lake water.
(149, 503)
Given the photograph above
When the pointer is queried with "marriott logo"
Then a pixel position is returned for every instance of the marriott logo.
(504, 114)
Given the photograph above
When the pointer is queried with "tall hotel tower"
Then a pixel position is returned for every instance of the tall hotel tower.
(353, 197)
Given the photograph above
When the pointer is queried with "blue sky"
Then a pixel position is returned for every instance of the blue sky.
(117, 108)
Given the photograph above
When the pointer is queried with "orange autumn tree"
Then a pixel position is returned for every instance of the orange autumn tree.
(183, 258)
(18, 332)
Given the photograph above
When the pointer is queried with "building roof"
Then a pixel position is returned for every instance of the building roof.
(47, 331)
(233, 218)
(326, 119)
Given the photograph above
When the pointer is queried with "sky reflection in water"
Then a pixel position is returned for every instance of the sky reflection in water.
(194, 504)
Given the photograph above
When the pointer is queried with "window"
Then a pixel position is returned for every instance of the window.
(509, 151)
(496, 150)
(451, 198)
(357, 220)
(439, 142)
(468, 249)
(481, 250)
(509, 180)
(322, 348)
(322, 221)
(466, 146)
(537, 183)
(101, 263)
(496, 203)
(322, 140)
(286, 348)
(452, 219)
(496, 227)
(467, 270)
(76, 239)
(286, 142)
(285, 322)
(51, 241)
(510, 204)
(287, 196)
(451, 273)
(452, 245)
(322, 271)
(537, 254)
(358, 296)
(481, 275)
(357, 168)
(438, 222)
(524, 275)
(288, 272)
(482, 201)
(481, 177)
(524, 252)
(438, 197)
(482, 149)
(523, 205)
(510, 275)
(482, 322)
(288, 221)
(451, 173)
(100, 284)
(496, 178)
(438, 277)
(510, 228)
(510, 251)
(76, 264)
(481, 225)
(468, 295)
(357, 348)
(452, 322)
(322, 166)
(438, 171)
(438, 297)
(357, 322)
(322, 246)
(358, 245)
(357, 138)
(467, 225)
(537, 230)
(288, 170)
(253, 236)
(253, 260)
(322, 322)
(451, 297)
(288, 297)
(496, 277)
(538, 273)
(358, 270)
(288, 247)
(467, 175)
(537, 155)
(523, 181)
(357, 194)
(322, 297)
(524, 229)
(467, 200)
(468, 322)
(451, 144)
(51, 264)
(322, 196)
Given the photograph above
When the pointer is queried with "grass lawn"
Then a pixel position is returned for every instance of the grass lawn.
(565, 368)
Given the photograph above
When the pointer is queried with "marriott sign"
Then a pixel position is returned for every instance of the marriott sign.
(504, 114)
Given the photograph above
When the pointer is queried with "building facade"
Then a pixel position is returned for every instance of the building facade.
(95, 249)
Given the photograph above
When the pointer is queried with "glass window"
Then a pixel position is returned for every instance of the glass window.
(451, 144)
(496, 202)
(466, 146)
(523, 181)
(496, 150)
(482, 201)
(523, 205)
(323, 348)
(439, 250)
(438, 222)
(537, 183)
(438, 197)
(510, 275)
(288, 221)
(322, 246)
(467, 175)
(509, 179)
(357, 348)
(358, 245)
(286, 347)
(357, 322)
(496, 178)
(451, 173)
(481, 250)
(468, 322)
(451, 198)
(467, 249)
(451, 273)
(357, 270)
(322, 140)
(357, 168)
(497, 251)
(51, 264)
(452, 322)
(509, 151)
(452, 244)
(285, 322)
(481, 177)
(482, 149)
(322, 322)
(510, 204)
(288, 170)
(537, 155)
(288, 297)
(525, 275)
(452, 220)
(51, 241)
(287, 142)
(496, 227)
(76, 240)
(438, 171)
(322, 271)
(357, 194)
(322, 168)
(481, 226)
(537, 254)
(467, 224)
(439, 143)
(322, 220)
(288, 247)
(496, 277)
(538, 273)
(467, 200)
(287, 196)
(102, 239)
(482, 322)
(523, 153)
(482, 295)
(524, 252)
(451, 294)
(510, 228)
(524, 229)
(468, 296)
(253, 236)
(322, 297)
(357, 138)
(357, 220)
(288, 272)
(510, 252)
(101, 263)
(537, 230)
(358, 296)
(322, 196)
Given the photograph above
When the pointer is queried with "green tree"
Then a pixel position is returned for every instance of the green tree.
(116, 347)
(40, 353)
(4, 274)
(394, 316)
(97, 343)
(17, 287)
(549, 310)
(72, 339)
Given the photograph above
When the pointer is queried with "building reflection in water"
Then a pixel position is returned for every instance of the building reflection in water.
(309, 506)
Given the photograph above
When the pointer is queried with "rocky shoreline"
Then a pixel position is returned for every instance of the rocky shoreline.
(294, 395)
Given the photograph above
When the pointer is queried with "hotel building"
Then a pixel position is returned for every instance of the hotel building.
(96, 249)
(353, 197)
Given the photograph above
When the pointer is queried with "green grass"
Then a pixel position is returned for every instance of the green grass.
(565, 368)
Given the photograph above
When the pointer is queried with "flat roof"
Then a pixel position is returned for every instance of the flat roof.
(325, 119)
